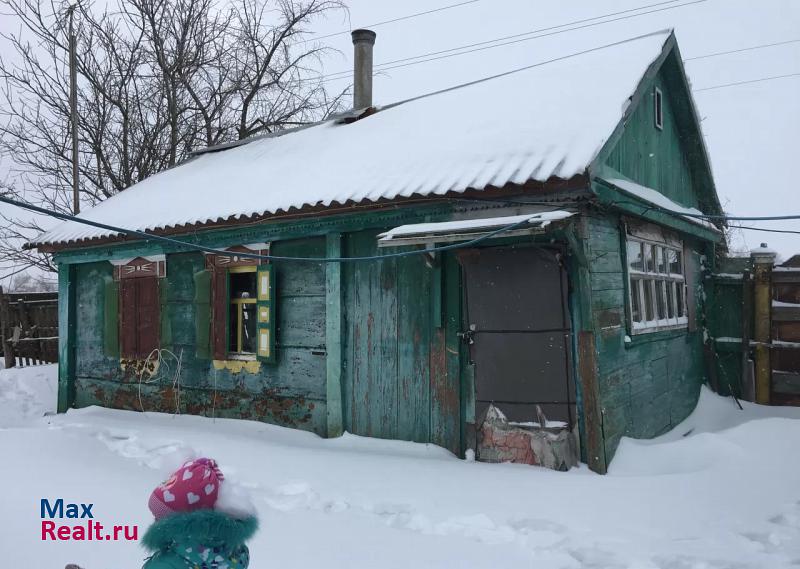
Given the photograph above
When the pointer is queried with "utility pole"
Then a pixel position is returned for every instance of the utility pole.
(73, 111)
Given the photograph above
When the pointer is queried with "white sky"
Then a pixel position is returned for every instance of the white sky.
(751, 130)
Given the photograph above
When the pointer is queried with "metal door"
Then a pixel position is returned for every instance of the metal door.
(518, 328)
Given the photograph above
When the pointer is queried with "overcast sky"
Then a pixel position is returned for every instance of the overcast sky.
(751, 130)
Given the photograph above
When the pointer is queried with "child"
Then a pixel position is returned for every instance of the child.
(201, 522)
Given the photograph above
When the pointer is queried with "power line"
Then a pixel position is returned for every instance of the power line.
(514, 39)
(708, 216)
(401, 18)
(751, 228)
(762, 46)
(759, 80)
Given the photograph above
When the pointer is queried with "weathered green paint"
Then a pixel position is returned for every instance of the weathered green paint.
(333, 336)
(282, 230)
(268, 304)
(651, 383)
(448, 411)
(290, 393)
(202, 311)
(111, 317)
(66, 337)
(654, 157)
(165, 311)
(674, 159)
(90, 282)
(610, 196)
(400, 380)
(726, 297)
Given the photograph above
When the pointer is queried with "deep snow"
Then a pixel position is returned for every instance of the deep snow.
(720, 491)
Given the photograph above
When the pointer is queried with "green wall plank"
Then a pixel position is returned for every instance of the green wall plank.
(111, 317)
(414, 348)
(333, 337)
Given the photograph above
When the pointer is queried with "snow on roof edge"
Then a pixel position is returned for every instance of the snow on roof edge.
(659, 200)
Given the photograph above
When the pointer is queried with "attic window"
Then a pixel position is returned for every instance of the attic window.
(658, 107)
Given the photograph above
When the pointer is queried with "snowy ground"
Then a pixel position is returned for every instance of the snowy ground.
(720, 491)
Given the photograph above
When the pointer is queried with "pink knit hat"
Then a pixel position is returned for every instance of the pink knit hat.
(194, 486)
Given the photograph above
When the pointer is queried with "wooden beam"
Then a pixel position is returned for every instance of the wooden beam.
(66, 337)
(333, 335)
(786, 313)
(786, 382)
(762, 309)
(5, 328)
(587, 370)
(747, 387)
(786, 277)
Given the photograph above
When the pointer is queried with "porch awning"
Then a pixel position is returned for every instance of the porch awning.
(468, 229)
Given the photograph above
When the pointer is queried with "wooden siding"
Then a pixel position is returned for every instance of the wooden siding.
(400, 377)
(650, 384)
(657, 158)
(290, 393)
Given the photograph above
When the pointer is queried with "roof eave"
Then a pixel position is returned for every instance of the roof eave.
(532, 188)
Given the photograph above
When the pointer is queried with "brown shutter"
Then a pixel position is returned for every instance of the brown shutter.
(127, 320)
(219, 314)
(149, 312)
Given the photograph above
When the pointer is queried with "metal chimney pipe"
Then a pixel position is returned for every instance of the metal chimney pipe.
(363, 42)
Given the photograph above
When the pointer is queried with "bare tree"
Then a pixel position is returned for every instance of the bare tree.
(156, 80)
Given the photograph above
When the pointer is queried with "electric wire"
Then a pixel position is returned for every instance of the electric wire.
(740, 50)
(746, 82)
(513, 39)
(401, 18)
(751, 228)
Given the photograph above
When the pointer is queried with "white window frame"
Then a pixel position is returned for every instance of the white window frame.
(661, 283)
(658, 108)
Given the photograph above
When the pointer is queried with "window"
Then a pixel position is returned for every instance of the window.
(658, 108)
(242, 311)
(657, 286)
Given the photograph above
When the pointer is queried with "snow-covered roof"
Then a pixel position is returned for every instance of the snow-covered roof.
(547, 121)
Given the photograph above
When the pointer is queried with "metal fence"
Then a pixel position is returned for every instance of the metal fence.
(29, 327)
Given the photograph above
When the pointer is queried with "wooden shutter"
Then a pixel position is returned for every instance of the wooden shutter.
(219, 314)
(127, 320)
(149, 315)
(265, 314)
(139, 323)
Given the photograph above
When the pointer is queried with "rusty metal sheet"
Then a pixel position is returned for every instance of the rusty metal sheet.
(519, 327)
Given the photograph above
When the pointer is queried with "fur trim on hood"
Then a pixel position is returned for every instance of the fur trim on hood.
(209, 527)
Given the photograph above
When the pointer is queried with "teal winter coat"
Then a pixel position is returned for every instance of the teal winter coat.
(203, 539)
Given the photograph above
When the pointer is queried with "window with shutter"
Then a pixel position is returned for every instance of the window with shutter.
(266, 314)
(242, 306)
(139, 306)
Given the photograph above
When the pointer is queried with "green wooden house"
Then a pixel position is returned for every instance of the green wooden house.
(526, 242)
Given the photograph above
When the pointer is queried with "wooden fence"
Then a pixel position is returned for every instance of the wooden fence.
(785, 321)
(754, 326)
(29, 328)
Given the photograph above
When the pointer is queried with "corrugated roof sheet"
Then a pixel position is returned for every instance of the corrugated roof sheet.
(548, 121)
